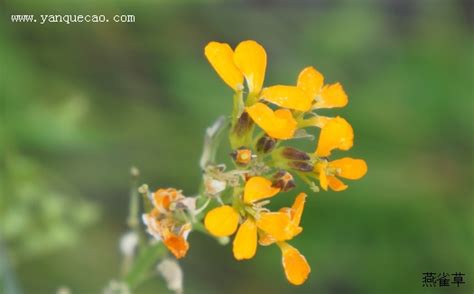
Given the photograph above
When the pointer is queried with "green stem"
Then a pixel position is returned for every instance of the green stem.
(238, 107)
(133, 219)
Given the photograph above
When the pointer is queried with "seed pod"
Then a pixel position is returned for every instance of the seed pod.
(242, 156)
(301, 166)
(283, 180)
(295, 154)
(265, 144)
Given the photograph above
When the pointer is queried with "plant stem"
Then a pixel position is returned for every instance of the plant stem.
(133, 220)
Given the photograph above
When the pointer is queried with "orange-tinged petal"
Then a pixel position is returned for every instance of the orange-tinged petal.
(310, 80)
(336, 133)
(335, 184)
(245, 242)
(276, 224)
(251, 58)
(279, 124)
(288, 97)
(350, 168)
(332, 96)
(221, 57)
(222, 221)
(258, 188)
(297, 208)
(294, 263)
(177, 245)
(162, 198)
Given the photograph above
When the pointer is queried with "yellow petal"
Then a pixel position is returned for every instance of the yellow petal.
(177, 245)
(251, 58)
(221, 57)
(350, 168)
(335, 184)
(245, 242)
(294, 263)
(320, 169)
(332, 96)
(222, 221)
(310, 80)
(297, 208)
(288, 97)
(258, 188)
(288, 123)
(336, 133)
(276, 224)
(279, 124)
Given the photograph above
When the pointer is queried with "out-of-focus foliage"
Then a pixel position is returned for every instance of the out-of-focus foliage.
(39, 211)
(86, 101)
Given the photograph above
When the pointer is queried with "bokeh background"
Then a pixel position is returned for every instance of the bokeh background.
(81, 103)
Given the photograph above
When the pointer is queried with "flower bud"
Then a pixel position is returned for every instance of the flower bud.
(243, 124)
(301, 166)
(295, 154)
(265, 144)
(283, 180)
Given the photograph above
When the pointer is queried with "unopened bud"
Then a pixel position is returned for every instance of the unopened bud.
(143, 189)
(243, 124)
(265, 144)
(134, 171)
(295, 154)
(301, 166)
(283, 180)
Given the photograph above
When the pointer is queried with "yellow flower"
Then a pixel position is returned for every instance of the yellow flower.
(163, 226)
(278, 124)
(328, 96)
(224, 220)
(309, 93)
(283, 225)
(349, 168)
(294, 263)
(249, 60)
(336, 133)
(273, 227)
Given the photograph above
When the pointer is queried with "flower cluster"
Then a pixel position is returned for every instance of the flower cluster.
(263, 120)
(165, 223)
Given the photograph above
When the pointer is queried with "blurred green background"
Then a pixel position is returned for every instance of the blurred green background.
(84, 102)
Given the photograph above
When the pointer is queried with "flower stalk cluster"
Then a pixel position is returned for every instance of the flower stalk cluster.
(234, 201)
